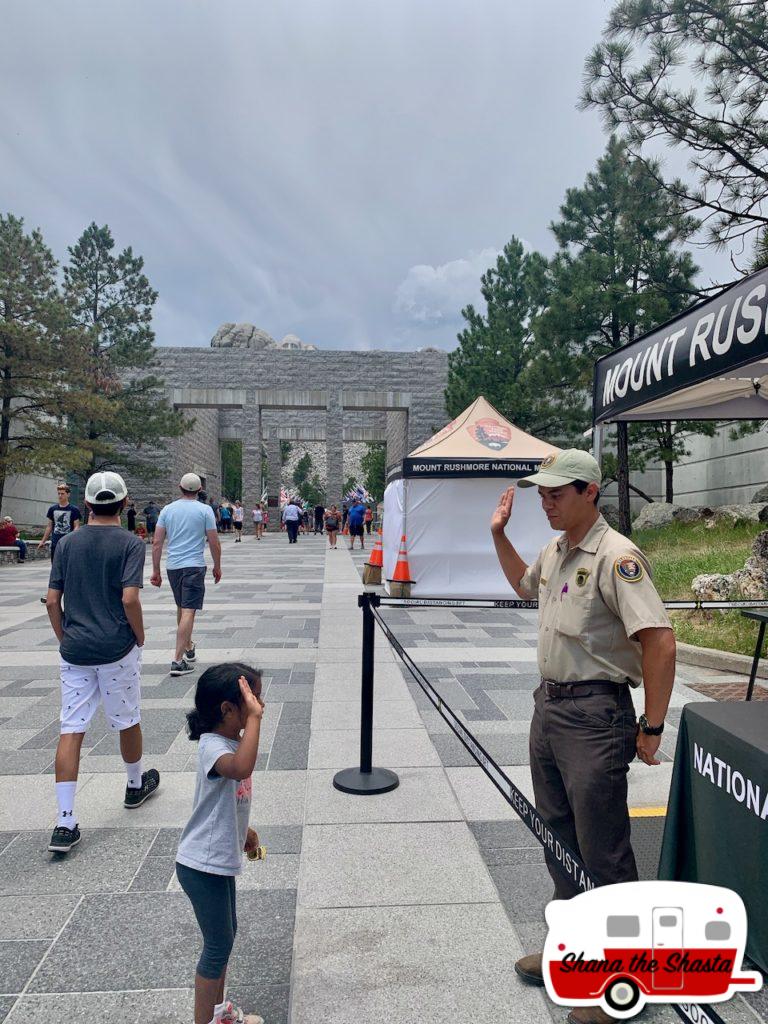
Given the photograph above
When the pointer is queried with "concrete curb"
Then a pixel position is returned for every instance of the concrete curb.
(723, 661)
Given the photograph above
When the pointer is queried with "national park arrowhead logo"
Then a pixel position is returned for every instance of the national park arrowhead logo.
(491, 433)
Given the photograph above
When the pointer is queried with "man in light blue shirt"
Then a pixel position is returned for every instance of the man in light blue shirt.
(187, 523)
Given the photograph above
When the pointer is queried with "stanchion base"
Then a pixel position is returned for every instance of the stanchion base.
(378, 780)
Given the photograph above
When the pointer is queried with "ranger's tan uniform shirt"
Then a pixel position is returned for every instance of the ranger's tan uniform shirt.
(593, 598)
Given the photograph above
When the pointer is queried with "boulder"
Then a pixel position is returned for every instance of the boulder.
(242, 336)
(611, 515)
(760, 497)
(661, 513)
(737, 514)
(749, 583)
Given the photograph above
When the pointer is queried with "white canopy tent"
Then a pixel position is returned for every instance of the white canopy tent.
(442, 499)
(708, 363)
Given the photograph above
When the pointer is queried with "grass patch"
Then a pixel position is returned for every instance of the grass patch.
(677, 554)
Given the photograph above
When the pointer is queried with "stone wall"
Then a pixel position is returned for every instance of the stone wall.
(420, 375)
(718, 471)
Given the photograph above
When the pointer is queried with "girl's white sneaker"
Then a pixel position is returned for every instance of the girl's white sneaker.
(232, 1014)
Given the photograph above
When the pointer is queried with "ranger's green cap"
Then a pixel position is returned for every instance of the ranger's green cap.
(563, 468)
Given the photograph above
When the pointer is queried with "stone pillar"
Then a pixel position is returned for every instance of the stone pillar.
(334, 444)
(251, 448)
(274, 475)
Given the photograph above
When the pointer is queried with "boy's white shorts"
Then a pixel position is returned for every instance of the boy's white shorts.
(117, 686)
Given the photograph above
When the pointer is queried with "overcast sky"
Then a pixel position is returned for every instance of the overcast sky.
(344, 171)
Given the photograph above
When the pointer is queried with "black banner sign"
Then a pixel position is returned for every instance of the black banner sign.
(426, 468)
(721, 334)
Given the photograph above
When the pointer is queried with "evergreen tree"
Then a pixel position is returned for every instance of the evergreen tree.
(695, 75)
(111, 302)
(232, 469)
(39, 372)
(618, 272)
(496, 347)
(374, 467)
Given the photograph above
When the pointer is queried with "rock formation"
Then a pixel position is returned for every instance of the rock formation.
(749, 583)
(248, 336)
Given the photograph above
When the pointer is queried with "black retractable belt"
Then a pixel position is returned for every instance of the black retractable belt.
(368, 780)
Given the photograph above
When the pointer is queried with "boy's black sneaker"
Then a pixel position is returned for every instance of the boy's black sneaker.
(150, 782)
(190, 656)
(63, 839)
(181, 668)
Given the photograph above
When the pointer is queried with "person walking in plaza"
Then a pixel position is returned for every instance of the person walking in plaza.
(225, 512)
(332, 525)
(291, 518)
(9, 537)
(258, 520)
(187, 523)
(99, 573)
(319, 517)
(63, 519)
(130, 515)
(355, 519)
(226, 722)
(151, 512)
(344, 515)
(368, 519)
(237, 520)
(603, 630)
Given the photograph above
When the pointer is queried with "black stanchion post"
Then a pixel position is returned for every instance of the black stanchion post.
(366, 780)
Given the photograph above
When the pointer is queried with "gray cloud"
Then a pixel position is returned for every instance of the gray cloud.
(294, 164)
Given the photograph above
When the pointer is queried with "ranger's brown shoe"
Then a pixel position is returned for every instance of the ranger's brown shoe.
(591, 1015)
(529, 969)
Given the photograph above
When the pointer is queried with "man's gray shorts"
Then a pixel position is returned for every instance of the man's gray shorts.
(188, 586)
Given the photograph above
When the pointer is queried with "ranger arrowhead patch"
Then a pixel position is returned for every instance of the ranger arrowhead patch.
(582, 575)
(629, 569)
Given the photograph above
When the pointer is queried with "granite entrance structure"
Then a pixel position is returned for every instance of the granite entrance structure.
(267, 394)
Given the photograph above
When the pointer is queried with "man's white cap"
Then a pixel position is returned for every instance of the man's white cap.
(104, 488)
(190, 482)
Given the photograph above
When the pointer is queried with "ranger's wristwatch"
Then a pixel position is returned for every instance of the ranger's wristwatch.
(648, 729)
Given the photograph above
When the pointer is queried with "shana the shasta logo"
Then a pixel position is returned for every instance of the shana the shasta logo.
(623, 946)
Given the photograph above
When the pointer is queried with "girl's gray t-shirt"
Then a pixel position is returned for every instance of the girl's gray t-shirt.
(214, 836)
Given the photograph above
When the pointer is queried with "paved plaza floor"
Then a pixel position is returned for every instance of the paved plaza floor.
(408, 908)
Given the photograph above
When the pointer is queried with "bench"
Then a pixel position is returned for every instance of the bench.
(9, 554)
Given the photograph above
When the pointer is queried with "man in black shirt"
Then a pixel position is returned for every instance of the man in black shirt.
(97, 575)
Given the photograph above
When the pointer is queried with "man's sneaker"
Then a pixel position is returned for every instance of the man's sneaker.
(232, 1014)
(63, 839)
(181, 668)
(191, 655)
(149, 784)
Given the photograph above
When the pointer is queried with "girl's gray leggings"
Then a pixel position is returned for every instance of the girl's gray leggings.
(213, 901)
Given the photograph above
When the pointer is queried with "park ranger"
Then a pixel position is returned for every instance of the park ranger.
(602, 630)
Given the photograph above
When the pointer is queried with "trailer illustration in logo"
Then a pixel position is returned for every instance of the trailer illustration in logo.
(622, 946)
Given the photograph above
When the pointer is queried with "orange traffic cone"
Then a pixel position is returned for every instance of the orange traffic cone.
(400, 584)
(372, 568)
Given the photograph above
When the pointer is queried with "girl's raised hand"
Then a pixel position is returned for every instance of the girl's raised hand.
(254, 705)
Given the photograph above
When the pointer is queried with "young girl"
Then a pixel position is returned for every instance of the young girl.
(227, 703)
(258, 521)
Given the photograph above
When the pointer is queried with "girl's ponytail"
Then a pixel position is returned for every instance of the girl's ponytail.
(195, 726)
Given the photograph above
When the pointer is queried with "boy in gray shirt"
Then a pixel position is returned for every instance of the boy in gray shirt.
(98, 574)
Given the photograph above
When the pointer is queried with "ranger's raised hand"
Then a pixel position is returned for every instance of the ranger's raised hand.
(500, 517)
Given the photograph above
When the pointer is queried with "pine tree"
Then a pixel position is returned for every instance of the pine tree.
(111, 301)
(39, 371)
(715, 108)
(374, 467)
(619, 271)
(496, 347)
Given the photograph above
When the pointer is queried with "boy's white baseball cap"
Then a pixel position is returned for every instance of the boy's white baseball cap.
(104, 488)
(190, 482)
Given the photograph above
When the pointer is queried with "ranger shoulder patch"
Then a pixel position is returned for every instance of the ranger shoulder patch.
(629, 568)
